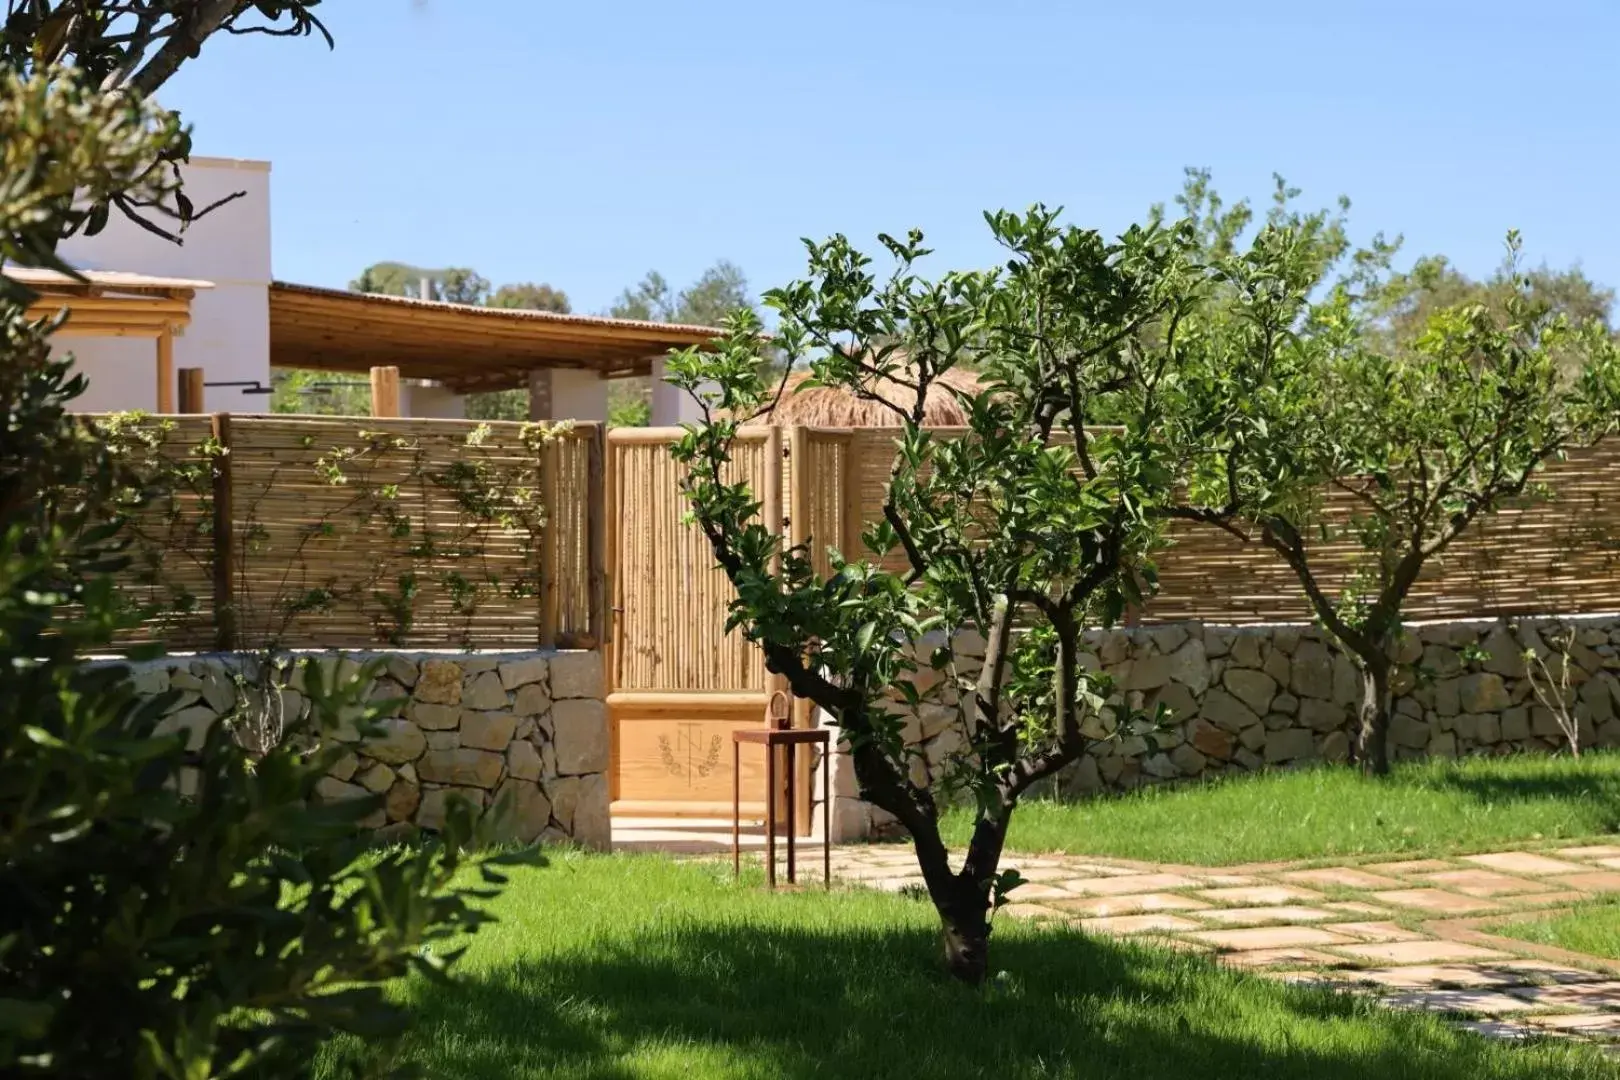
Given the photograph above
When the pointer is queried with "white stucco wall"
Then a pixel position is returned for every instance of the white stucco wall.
(578, 395)
(419, 398)
(671, 406)
(229, 335)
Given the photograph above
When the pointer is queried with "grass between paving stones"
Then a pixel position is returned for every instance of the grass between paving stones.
(1421, 809)
(1592, 928)
(640, 968)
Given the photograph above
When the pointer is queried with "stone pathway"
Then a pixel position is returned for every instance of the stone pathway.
(1416, 932)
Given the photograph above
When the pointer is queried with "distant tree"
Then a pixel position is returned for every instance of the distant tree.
(455, 285)
(1404, 305)
(529, 296)
(720, 292)
(526, 296)
(319, 393)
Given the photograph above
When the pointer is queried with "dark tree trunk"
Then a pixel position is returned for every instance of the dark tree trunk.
(1372, 734)
(964, 917)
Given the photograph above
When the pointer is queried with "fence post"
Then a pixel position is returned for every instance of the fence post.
(385, 392)
(191, 389)
(549, 449)
(225, 629)
(596, 534)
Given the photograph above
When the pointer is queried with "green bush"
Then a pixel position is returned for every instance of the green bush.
(171, 905)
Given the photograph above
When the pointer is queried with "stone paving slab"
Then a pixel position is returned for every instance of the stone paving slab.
(1134, 883)
(1137, 924)
(1254, 916)
(1257, 895)
(1606, 1024)
(1342, 877)
(1269, 937)
(1126, 905)
(1489, 1002)
(1422, 952)
(1261, 958)
(1482, 883)
(1524, 862)
(1434, 901)
(1389, 928)
(1374, 931)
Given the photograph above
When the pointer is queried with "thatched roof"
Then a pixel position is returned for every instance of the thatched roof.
(825, 406)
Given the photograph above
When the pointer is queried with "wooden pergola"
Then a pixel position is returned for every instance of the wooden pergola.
(111, 303)
(467, 349)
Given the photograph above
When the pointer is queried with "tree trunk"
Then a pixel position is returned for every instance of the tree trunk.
(964, 918)
(1372, 736)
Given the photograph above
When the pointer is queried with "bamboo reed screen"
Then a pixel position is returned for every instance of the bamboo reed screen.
(1540, 556)
(171, 547)
(347, 532)
(669, 598)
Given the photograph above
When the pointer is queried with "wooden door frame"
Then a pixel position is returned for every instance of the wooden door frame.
(724, 704)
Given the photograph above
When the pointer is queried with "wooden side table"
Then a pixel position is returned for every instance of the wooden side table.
(771, 737)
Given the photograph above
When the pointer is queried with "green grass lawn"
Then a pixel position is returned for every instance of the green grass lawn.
(1592, 928)
(1421, 809)
(632, 967)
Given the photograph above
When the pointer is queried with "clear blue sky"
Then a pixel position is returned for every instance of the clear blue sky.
(584, 143)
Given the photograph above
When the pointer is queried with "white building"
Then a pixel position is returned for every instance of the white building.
(242, 322)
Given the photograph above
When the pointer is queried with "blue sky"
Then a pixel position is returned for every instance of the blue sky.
(583, 144)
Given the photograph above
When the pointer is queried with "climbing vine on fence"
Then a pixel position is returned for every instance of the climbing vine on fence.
(342, 531)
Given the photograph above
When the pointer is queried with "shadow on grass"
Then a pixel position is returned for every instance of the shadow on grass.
(1595, 793)
(706, 1000)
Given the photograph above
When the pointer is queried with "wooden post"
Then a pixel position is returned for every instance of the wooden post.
(596, 534)
(225, 627)
(548, 545)
(385, 392)
(165, 370)
(540, 394)
(770, 512)
(191, 390)
(849, 544)
(802, 480)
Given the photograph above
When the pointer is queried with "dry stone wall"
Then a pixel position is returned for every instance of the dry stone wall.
(1247, 698)
(528, 727)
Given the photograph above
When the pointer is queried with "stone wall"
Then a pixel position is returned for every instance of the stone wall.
(528, 726)
(1247, 698)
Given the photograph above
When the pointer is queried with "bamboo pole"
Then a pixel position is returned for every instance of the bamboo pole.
(385, 392)
(548, 547)
(191, 390)
(802, 481)
(225, 628)
(595, 536)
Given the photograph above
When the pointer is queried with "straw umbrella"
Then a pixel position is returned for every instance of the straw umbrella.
(838, 407)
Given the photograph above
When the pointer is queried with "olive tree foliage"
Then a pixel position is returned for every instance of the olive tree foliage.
(1309, 423)
(130, 48)
(1029, 527)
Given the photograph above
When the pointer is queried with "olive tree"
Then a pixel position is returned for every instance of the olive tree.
(1307, 425)
(1029, 527)
(128, 49)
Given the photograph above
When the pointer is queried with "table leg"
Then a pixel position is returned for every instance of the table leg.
(736, 809)
(792, 826)
(770, 816)
(826, 814)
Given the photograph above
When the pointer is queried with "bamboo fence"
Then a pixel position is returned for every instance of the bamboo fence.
(346, 532)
